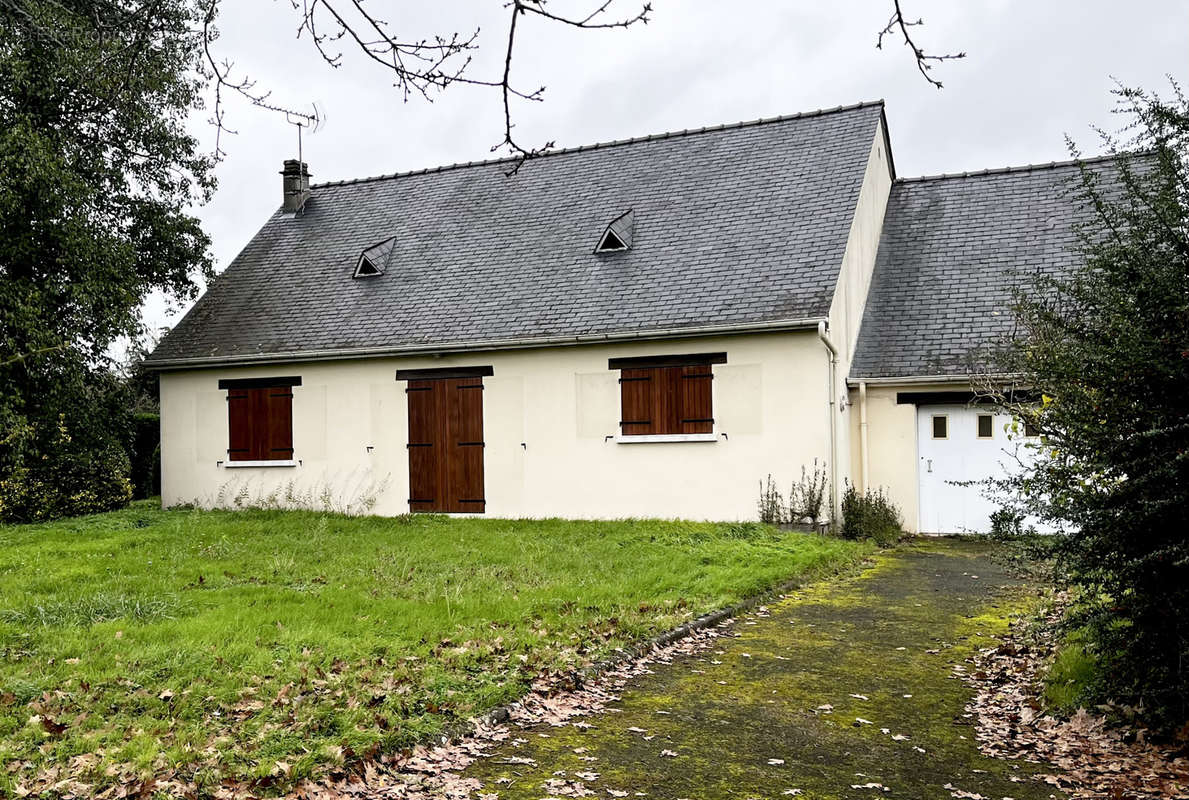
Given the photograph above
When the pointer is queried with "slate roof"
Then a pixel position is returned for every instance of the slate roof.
(952, 249)
(733, 226)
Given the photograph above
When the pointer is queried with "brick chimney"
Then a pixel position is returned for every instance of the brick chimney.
(295, 181)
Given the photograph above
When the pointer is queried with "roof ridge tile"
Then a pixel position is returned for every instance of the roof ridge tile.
(652, 137)
(1011, 169)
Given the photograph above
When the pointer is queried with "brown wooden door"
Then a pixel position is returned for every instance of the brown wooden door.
(446, 445)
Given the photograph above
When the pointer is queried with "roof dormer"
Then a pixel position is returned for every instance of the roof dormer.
(617, 236)
(374, 260)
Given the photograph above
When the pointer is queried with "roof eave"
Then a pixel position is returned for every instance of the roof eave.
(910, 380)
(524, 343)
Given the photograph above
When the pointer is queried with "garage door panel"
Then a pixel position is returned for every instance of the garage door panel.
(953, 458)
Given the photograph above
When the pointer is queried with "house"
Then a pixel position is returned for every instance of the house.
(640, 328)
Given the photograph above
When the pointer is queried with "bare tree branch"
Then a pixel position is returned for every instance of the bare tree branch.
(219, 72)
(925, 61)
(418, 66)
(593, 20)
(422, 66)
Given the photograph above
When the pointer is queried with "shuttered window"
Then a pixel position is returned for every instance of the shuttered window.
(260, 419)
(667, 395)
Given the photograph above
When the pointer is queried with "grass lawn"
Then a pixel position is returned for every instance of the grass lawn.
(209, 646)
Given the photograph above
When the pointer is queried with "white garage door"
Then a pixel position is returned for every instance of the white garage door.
(955, 444)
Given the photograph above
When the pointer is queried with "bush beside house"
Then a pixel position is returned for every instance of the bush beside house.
(870, 515)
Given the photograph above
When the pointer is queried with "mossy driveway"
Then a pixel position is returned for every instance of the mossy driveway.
(844, 690)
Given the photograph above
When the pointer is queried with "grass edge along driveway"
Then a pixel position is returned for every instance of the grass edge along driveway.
(206, 647)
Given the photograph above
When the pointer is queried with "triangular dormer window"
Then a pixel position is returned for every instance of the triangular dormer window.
(611, 242)
(366, 268)
(618, 235)
(374, 260)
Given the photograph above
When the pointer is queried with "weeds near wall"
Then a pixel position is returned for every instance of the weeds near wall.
(806, 498)
(355, 494)
(771, 505)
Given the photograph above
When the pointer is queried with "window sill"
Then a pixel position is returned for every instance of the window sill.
(650, 438)
(270, 463)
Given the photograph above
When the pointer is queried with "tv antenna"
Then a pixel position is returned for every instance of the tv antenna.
(314, 120)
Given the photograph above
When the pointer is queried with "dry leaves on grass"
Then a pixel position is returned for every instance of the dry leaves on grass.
(1096, 762)
(420, 774)
(434, 772)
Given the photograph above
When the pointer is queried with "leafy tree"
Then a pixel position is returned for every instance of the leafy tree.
(97, 173)
(1107, 349)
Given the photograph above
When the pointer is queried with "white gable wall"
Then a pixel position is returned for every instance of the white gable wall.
(850, 293)
(547, 415)
(858, 262)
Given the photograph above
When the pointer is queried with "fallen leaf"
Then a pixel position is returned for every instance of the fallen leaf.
(51, 726)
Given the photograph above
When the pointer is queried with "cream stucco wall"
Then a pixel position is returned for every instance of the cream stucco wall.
(892, 443)
(548, 413)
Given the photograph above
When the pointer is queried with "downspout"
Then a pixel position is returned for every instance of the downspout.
(863, 465)
(833, 394)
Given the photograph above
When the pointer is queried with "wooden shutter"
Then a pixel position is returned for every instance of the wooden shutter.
(278, 443)
(636, 402)
(697, 412)
(666, 400)
(464, 462)
(446, 445)
(260, 418)
(239, 425)
(425, 446)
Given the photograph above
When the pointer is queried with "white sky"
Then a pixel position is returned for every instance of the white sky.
(1035, 71)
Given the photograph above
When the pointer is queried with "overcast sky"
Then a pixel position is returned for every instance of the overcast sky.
(1035, 71)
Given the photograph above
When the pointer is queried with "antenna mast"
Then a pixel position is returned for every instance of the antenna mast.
(313, 120)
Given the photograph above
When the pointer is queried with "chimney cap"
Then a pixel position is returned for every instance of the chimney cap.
(295, 185)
